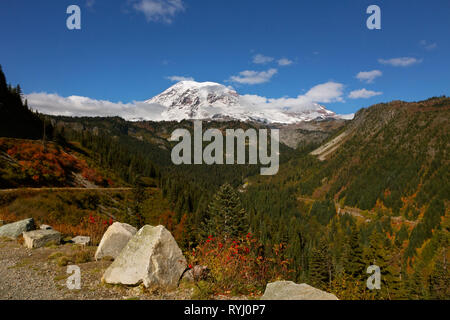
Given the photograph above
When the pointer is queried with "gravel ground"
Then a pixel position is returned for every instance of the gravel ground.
(32, 274)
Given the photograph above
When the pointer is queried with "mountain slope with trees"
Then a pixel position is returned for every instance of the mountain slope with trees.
(391, 167)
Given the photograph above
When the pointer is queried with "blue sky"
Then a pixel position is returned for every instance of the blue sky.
(127, 50)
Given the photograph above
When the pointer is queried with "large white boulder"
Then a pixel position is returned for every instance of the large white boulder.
(114, 240)
(288, 290)
(40, 238)
(13, 230)
(151, 257)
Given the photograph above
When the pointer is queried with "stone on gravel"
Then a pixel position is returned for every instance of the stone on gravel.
(81, 240)
(151, 257)
(197, 273)
(40, 238)
(288, 290)
(114, 240)
(45, 227)
(14, 230)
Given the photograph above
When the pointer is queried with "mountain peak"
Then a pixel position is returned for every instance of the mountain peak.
(190, 99)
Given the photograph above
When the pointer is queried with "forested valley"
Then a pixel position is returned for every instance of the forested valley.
(380, 198)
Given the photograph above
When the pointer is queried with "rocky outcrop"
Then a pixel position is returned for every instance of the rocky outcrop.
(41, 238)
(288, 290)
(114, 240)
(14, 230)
(151, 257)
(81, 240)
(45, 227)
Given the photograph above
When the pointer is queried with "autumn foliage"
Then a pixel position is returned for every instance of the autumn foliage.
(92, 226)
(239, 266)
(49, 164)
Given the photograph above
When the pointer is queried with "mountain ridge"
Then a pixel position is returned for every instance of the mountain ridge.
(209, 100)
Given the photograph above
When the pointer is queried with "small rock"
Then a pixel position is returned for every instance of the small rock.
(152, 257)
(82, 240)
(288, 290)
(14, 230)
(114, 240)
(45, 227)
(197, 273)
(40, 238)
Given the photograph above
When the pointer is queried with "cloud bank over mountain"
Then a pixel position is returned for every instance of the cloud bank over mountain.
(185, 98)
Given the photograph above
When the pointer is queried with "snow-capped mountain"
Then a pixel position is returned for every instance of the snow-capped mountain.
(210, 100)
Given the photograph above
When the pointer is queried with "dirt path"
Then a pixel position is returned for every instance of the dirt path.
(357, 213)
(63, 189)
(32, 274)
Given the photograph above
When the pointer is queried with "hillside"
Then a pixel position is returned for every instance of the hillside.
(348, 194)
(394, 154)
(30, 163)
(382, 179)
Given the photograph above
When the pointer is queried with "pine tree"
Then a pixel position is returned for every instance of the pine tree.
(355, 265)
(440, 277)
(139, 196)
(3, 84)
(417, 289)
(227, 218)
(378, 254)
(320, 265)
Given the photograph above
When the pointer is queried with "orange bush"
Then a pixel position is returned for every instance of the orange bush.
(49, 164)
(238, 266)
(7, 216)
(92, 226)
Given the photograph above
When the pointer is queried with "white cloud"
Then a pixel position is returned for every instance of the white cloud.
(54, 104)
(159, 10)
(179, 78)
(363, 94)
(82, 106)
(254, 77)
(326, 92)
(322, 93)
(284, 62)
(262, 59)
(400, 62)
(427, 45)
(369, 76)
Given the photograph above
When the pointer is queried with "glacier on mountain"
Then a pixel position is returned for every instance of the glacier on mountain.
(210, 100)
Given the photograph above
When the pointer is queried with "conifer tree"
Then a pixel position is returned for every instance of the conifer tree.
(355, 264)
(440, 277)
(320, 265)
(227, 218)
(378, 254)
(139, 196)
(3, 84)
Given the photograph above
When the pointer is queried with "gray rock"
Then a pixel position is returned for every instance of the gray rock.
(82, 240)
(151, 257)
(13, 230)
(114, 240)
(288, 290)
(45, 227)
(197, 273)
(40, 238)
